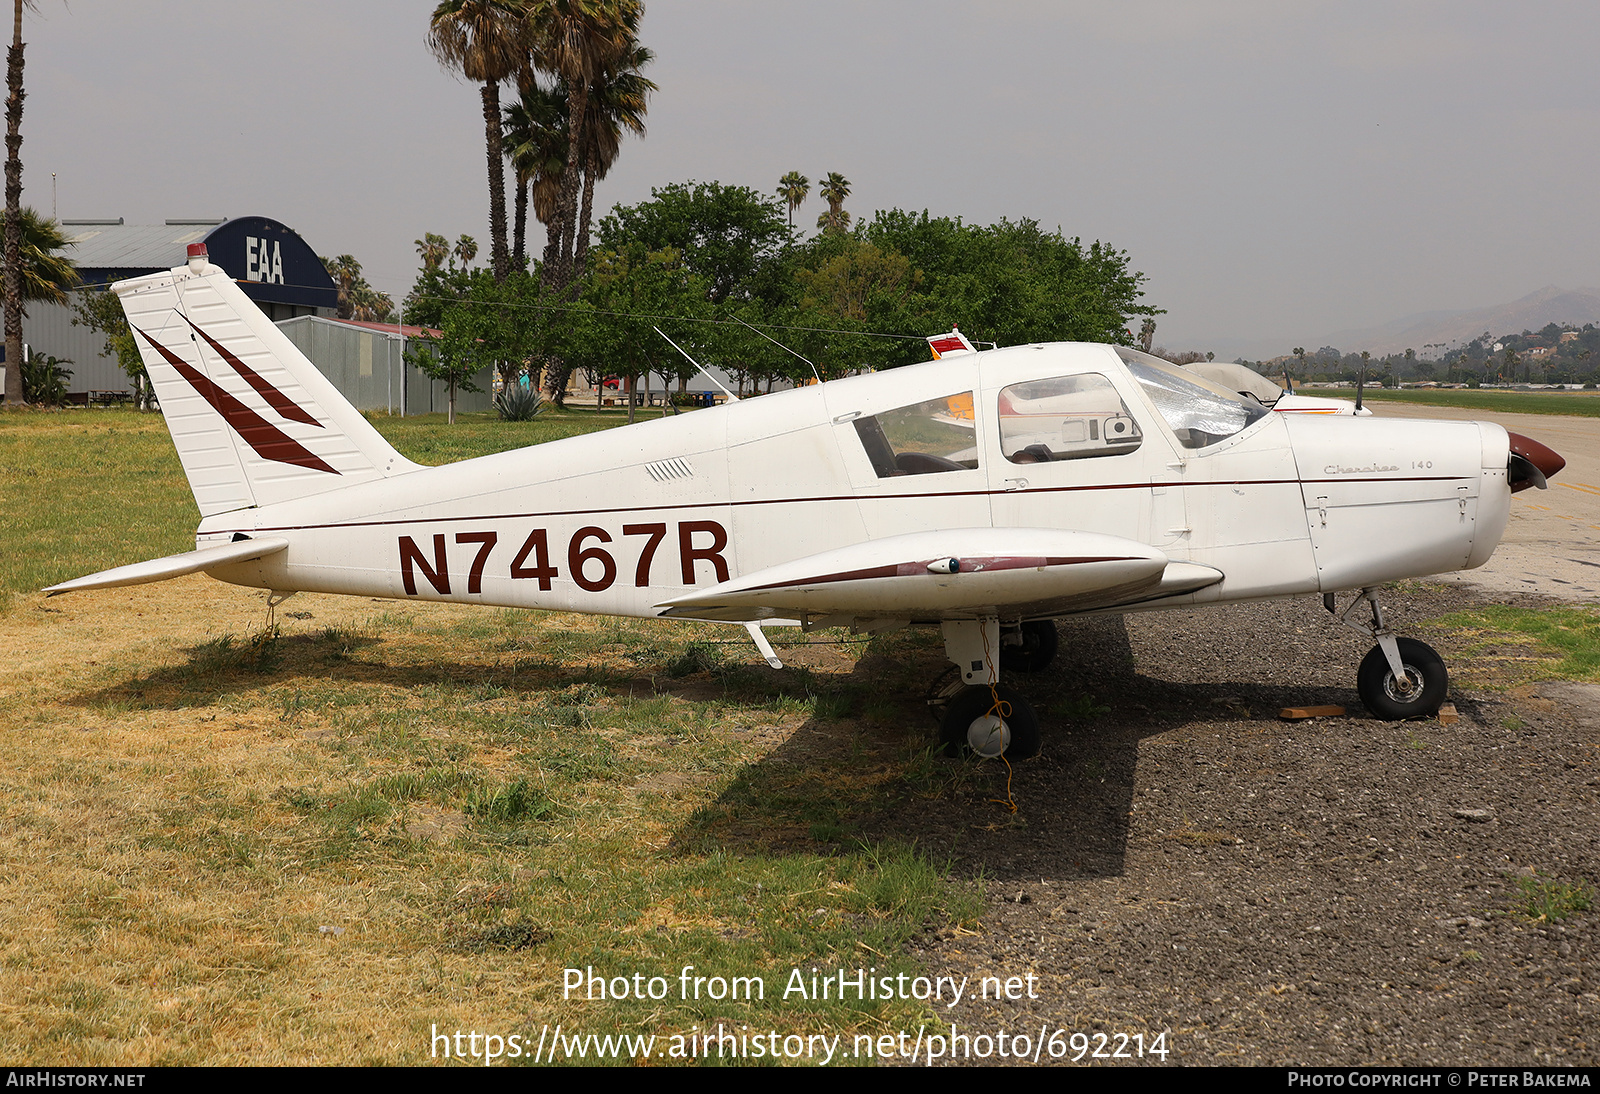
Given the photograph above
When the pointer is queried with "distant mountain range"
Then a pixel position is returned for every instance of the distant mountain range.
(1455, 328)
(1550, 304)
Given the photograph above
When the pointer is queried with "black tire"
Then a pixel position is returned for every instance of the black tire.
(1038, 649)
(964, 736)
(1430, 682)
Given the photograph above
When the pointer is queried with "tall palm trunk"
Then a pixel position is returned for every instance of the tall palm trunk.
(500, 258)
(567, 210)
(520, 250)
(581, 251)
(13, 233)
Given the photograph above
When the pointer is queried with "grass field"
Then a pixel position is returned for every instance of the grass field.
(321, 839)
(1582, 404)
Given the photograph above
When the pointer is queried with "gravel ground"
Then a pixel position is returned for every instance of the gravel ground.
(1339, 891)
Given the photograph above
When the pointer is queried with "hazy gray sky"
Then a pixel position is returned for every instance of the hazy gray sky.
(1278, 170)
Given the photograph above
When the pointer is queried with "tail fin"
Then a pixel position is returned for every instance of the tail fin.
(253, 420)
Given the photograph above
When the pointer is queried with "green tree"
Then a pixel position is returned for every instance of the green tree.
(629, 293)
(100, 310)
(439, 283)
(486, 41)
(1009, 283)
(726, 235)
(488, 328)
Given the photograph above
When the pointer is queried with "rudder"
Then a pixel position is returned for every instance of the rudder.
(253, 420)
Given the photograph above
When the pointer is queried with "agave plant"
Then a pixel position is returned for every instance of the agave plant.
(518, 403)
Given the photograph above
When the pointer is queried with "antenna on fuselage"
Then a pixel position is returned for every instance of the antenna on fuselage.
(1361, 380)
(732, 398)
(780, 345)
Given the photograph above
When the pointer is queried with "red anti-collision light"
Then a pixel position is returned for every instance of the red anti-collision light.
(197, 250)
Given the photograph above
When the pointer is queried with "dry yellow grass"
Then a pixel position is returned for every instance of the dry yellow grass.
(169, 861)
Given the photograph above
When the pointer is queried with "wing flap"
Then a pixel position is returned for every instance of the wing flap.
(160, 569)
(943, 574)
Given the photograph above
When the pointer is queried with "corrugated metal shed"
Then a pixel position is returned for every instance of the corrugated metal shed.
(366, 362)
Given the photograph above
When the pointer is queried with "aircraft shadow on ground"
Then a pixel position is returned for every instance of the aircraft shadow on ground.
(863, 767)
(829, 782)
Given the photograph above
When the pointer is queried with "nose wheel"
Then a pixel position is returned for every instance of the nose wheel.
(1417, 691)
(1399, 677)
(982, 716)
(973, 727)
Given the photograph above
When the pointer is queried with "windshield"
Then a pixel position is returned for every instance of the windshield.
(1197, 411)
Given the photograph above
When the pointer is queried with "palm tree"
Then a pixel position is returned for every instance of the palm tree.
(13, 294)
(536, 144)
(618, 101)
(357, 298)
(835, 188)
(433, 249)
(44, 274)
(793, 188)
(465, 250)
(485, 40)
(577, 41)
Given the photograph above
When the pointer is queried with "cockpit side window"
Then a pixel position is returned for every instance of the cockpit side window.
(1198, 412)
(1065, 418)
(921, 439)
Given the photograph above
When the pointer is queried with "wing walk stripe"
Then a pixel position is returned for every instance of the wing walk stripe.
(268, 441)
(277, 399)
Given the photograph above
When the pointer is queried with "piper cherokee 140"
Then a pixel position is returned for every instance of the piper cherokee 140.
(988, 493)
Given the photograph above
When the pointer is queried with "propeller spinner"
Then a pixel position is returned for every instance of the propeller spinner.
(1531, 463)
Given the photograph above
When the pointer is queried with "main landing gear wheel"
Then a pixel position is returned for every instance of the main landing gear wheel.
(1036, 651)
(969, 729)
(1417, 696)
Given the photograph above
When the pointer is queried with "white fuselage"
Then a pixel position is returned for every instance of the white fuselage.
(621, 521)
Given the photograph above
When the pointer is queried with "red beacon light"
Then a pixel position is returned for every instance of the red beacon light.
(197, 256)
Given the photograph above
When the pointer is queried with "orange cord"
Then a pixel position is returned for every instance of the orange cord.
(1000, 709)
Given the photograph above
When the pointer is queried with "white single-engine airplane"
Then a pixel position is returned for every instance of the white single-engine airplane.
(988, 493)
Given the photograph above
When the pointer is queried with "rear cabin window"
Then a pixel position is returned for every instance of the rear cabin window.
(921, 439)
(1065, 418)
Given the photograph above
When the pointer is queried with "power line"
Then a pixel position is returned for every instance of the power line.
(675, 318)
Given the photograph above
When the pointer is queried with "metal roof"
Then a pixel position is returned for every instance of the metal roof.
(111, 245)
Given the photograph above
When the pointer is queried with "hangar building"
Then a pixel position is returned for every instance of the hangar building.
(272, 264)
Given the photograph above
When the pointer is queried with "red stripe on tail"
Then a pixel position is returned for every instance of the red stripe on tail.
(269, 442)
(275, 398)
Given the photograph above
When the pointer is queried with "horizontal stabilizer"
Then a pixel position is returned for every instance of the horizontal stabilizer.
(159, 569)
(955, 573)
